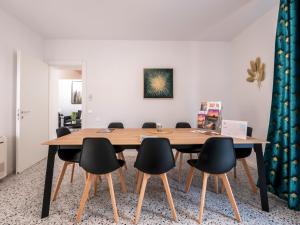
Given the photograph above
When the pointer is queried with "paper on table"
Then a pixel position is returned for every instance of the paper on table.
(207, 132)
(234, 128)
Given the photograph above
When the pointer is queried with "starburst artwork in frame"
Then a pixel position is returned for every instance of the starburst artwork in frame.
(158, 83)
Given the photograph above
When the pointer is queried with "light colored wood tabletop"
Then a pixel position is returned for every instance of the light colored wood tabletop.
(132, 136)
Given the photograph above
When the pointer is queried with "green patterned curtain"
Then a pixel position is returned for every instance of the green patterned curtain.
(282, 155)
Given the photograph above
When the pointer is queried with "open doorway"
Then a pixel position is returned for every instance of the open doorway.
(65, 98)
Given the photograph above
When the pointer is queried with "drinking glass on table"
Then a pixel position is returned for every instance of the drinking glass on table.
(158, 127)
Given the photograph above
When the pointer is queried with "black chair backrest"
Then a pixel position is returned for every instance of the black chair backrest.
(249, 131)
(155, 156)
(98, 156)
(183, 125)
(117, 125)
(78, 115)
(149, 125)
(217, 155)
(241, 153)
(62, 131)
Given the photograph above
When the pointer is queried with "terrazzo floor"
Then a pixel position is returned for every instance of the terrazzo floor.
(21, 197)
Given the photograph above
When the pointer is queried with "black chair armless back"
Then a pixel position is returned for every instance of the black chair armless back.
(67, 152)
(149, 125)
(183, 125)
(78, 115)
(62, 131)
(217, 155)
(117, 125)
(244, 152)
(98, 156)
(155, 156)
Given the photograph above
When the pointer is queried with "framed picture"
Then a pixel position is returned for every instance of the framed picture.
(158, 83)
(76, 92)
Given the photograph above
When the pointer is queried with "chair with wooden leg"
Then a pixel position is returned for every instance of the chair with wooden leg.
(241, 155)
(184, 149)
(70, 155)
(146, 125)
(216, 158)
(98, 158)
(119, 149)
(155, 157)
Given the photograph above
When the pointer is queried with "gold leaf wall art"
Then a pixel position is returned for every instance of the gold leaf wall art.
(256, 72)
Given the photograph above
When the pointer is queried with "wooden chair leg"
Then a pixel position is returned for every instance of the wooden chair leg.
(176, 156)
(248, 173)
(112, 196)
(72, 175)
(84, 197)
(169, 195)
(122, 180)
(95, 184)
(234, 172)
(123, 158)
(139, 182)
(60, 178)
(191, 156)
(202, 200)
(223, 188)
(141, 198)
(189, 179)
(231, 197)
(216, 184)
(180, 167)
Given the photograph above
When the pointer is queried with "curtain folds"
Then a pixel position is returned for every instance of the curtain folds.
(282, 155)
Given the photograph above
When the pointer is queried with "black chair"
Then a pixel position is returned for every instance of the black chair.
(241, 155)
(149, 125)
(119, 149)
(217, 158)
(69, 154)
(184, 149)
(155, 157)
(98, 158)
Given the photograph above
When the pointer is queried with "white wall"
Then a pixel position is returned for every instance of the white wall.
(13, 36)
(115, 78)
(248, 101)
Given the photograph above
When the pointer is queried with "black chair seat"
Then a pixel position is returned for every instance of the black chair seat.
(194, 163)
(117, 125)
(118, 149)
(69, 155)
(188, 149)
(242, 153)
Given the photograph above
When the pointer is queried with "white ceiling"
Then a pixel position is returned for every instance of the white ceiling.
(194, 20)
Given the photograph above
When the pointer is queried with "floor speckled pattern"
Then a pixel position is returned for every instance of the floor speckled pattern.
(21, 196)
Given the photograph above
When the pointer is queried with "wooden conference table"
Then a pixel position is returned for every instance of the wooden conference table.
(131, 138)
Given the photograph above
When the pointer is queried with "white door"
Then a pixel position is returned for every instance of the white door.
(32, 111)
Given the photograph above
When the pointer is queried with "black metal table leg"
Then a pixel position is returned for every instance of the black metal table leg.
(261, 177)
(48, 180)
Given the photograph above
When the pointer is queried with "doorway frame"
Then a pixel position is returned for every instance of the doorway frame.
(79, 63)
